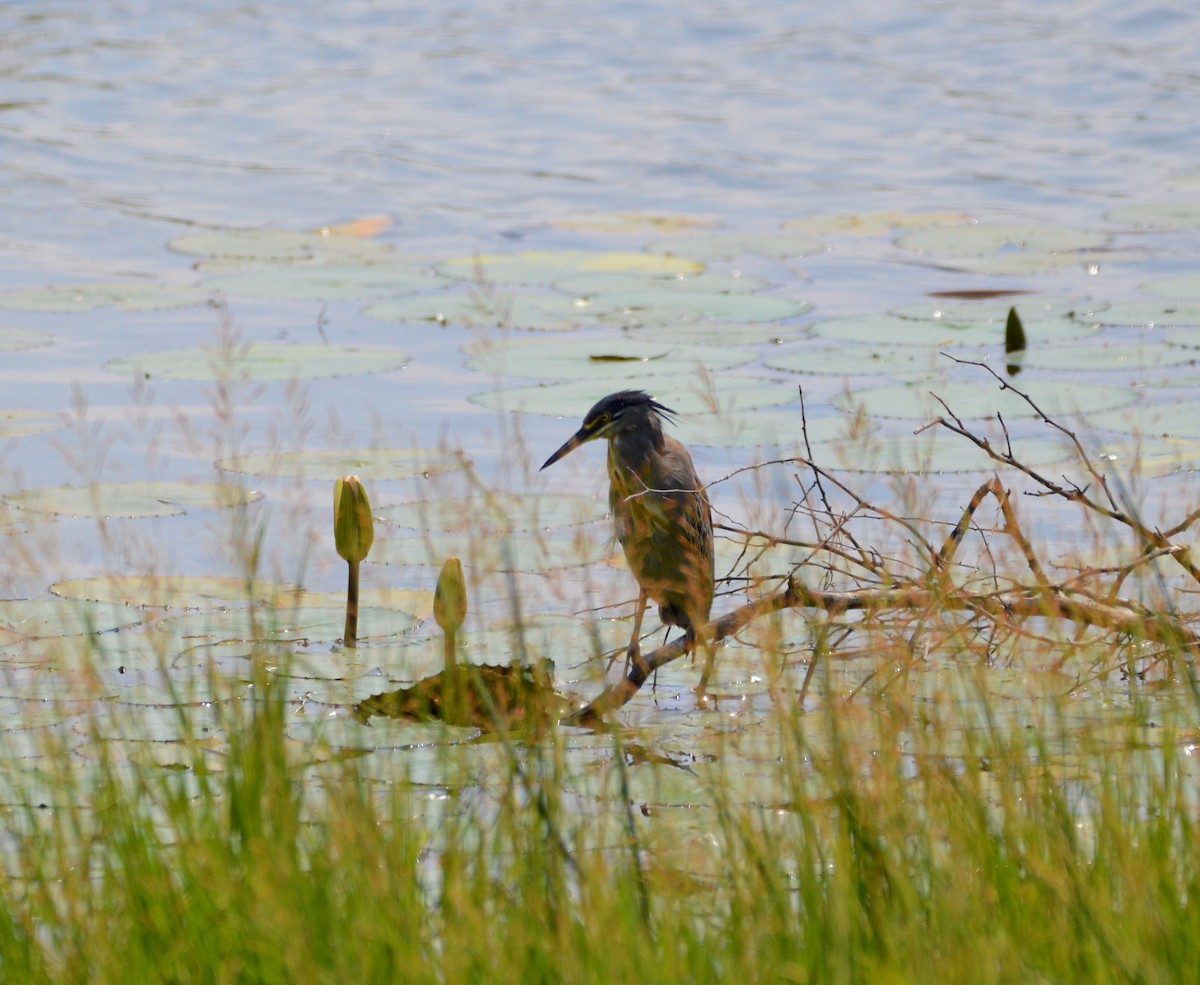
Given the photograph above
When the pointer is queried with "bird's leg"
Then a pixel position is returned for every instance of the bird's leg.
(698, 636)
(633, 655)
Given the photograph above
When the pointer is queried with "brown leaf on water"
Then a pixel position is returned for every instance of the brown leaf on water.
(362, 228)
(980, 294)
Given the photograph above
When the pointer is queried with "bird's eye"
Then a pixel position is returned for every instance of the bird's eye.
(600, 419)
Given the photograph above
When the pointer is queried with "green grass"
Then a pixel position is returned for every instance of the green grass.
(901, 846)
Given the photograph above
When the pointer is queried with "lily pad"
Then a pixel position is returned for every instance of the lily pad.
(1098, 355)
(554, 398)
(1162, 215)
(984, 398)
(853, 360)
(1151, 314)
(625, 223)
(498, 553)
(996, 239)
(326, 463)
(1031, 308)
(548, 266)
(313, 624)
(706, 282)
(323, 282)
(127, 295)
(174, 591)
(562, 358)
(871, 222)
(130, 499)
(414, 600)
(931, 451)
(1165, 419)
(1183, 287)
(15, 339)
(781, 428)
(22, 423)
(731, 245)
(652, 309)
(277, 245)
(25, 619)
(893, 329)
(262, 361)
(500, 513)
(543, 311)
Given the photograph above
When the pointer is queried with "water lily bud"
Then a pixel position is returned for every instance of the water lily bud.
(353, 526)
(450, 598)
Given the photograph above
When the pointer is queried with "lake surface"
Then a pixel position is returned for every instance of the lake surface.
(498, 127)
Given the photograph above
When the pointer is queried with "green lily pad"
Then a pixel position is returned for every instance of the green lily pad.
(554, 399)
(25, 619)
(853, 360)
(1165, 419)
(709, 246)
(652, 309)
(894, 329)
(931, 451)
(995, 239)
(323, 282)
(467, 307)
(706, 282)
(761, 429)
(130, 499)
(1182, 287)
(262, 361)
(984, 398)
(1098, 355)
(1031, 308)
(548, 266)
(15, 339)
(1163, 215)
(22, 423)
(581, 545)
(277, 245)
(415, 600)
(312, 623)
(127, 295)
(1150, 314)
(563, 358)
(871, 222)
(369, 464)
(174, 591)
(501, 513)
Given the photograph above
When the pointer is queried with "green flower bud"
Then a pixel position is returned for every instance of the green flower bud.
(450, 598)
(353, 526)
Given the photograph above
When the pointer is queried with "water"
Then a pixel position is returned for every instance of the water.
(483, 126)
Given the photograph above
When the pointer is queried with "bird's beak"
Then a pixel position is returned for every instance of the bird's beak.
(573, 442)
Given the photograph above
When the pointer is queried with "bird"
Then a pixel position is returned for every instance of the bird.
(661, 512)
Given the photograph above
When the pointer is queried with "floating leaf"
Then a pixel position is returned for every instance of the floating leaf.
(1164, 215)
(556, 399)
(931, 451)
(1183, 287)
(261, 361)
(127, 295)
(370, 463)
(131, 499)
(499, 513)
(323, 282)
(992, 239)
(890, 329)
(175, 591)
(652, 309)
(548, 266)
(632, 222)
(871, 222)
(309, 623)
(853, 360)
(984, 398)
(15, 339)
(277, 245)
(613, 285)
(1035, 308)
(1150, 314)
(731, 245)
(582, 545)
(1111, 355)
(22, 423)
(769, 428)
(1167, 419)
(25, 619)
(529, 310)
(362, 227)
(562, 358)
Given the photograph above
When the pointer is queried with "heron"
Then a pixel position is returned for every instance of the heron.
(661, 512)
